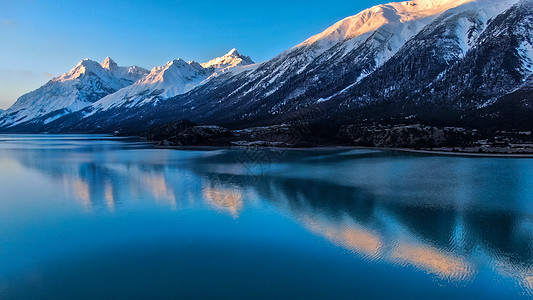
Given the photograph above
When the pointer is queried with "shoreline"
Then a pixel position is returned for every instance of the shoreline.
(332, 147)
(468, 154)
(323, 147)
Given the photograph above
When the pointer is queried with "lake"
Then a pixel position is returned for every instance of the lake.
(99, 217)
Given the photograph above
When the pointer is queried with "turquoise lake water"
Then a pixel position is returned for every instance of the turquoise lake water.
(97, 217)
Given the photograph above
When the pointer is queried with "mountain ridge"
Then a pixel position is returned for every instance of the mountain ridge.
(86, 83)
(89, 82)
(434, 61)
(174, 78)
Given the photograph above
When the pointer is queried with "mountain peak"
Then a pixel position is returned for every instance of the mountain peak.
(85, 62)
(377, 16)
(232, 59)
(109, 64)
(84, 66)
(171, 67)
(173, 78)
(233, 52)
(173, 64)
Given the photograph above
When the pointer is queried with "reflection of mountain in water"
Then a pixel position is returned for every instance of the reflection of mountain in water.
(440, 241)
(224, 199)
(101, 184)
(444, 240)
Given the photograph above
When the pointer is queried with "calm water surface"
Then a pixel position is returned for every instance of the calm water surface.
(95, 217)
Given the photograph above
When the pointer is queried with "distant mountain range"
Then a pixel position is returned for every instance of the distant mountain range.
(437, 62)
(94, 87)
(85, 84)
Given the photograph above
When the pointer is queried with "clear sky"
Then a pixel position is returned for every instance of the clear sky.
(41, 39)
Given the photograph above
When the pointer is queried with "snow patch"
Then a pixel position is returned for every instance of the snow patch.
(525, 50)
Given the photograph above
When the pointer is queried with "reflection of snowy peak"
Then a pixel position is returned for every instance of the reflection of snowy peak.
(232, 59)
(85, 84)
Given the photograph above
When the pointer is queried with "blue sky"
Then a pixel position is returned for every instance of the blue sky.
(42, 39)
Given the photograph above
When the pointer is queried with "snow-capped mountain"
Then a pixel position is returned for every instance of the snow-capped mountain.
(467, 59)
(127, 75)
(427, 34)
(86, 83)
(230, 60)
(431, 60)
(98, 87)
(342, 55)
(174, 78)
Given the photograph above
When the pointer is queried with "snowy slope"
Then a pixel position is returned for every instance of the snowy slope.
(426, 58)
(86, 83)
(320, 67)
(127, 75)
(340, 56)
(412, 45)
(373, 18)
(174, 78)
(390, 25)
(409, 42)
